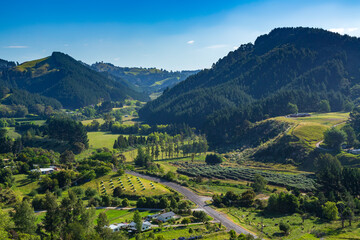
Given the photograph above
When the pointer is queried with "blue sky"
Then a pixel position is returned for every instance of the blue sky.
(171, 34)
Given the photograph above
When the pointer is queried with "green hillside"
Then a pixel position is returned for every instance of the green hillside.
(301, 66)
(67, 80)
(149, 80)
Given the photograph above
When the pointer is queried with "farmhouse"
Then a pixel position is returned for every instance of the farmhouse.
(117, 227)
(166, 216)
(45, 170)
(145, 226)
(151, 217)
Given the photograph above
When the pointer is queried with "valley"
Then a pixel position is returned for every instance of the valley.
(263, 145)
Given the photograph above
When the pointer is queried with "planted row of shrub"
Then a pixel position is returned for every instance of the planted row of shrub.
(305, 182)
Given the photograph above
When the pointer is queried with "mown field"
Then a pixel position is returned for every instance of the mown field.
(102, 139)
(311, 129)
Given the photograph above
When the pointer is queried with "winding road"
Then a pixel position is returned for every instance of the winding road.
(199, 201)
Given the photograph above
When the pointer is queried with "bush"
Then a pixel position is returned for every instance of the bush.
(285, 227)
(213, 159)
(78, 191)
(90, 192)
(125, 203)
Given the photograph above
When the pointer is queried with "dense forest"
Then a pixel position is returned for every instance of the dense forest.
(147, 79)
(67, 80)
(288, 67)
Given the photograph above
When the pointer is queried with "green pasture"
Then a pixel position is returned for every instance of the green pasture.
(311, 129)
(312, 227)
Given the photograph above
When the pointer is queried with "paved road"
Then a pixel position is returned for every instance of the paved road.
(198, 200)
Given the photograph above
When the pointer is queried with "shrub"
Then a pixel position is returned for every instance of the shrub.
(213, 159)
(285, 227)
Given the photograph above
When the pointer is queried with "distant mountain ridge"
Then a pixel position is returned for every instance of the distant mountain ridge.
(61, 77)
(301, 66)
(147, 79)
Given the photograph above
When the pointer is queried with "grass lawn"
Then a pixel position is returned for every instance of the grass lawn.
(129, 189)
(181, 231)
(252, 220)
(120, 216)
(86, 122)
(102, 139)
(23, 186)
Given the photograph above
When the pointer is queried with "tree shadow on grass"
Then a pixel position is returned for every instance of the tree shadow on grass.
(24, 182)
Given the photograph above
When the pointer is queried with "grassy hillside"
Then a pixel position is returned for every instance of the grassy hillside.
(132, 185)
(67, 80)
(301, 66)
(311, 129)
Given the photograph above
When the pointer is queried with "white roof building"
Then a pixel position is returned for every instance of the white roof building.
(44, 170)
(145, 226)
(117, 227)
(166, 216)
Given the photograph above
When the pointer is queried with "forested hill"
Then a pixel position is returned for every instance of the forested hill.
(301, 66)
(6, 64)
(61, 77)
(147, 79)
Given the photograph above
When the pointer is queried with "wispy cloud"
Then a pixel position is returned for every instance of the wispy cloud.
(190, 42)
(16, 47)
(343, 30)
(116, 59)
(217, 46)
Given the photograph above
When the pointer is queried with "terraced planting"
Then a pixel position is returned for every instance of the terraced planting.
(303, 182)
(129, 184)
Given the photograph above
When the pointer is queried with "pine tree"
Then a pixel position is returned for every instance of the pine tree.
(24, 217)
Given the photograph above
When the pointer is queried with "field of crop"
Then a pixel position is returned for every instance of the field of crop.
(130, 185)
(312, 228)
(311, 129)
(301, 181)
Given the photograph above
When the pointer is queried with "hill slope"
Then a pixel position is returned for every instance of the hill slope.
(67, 80)
(147, 79)
(289, 65)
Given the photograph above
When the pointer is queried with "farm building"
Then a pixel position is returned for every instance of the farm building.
(145, 226)
(117, 227)
(45, 170)
(151, 217)
(166, 216)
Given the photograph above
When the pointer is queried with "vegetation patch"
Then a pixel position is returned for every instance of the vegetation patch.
(304, 182)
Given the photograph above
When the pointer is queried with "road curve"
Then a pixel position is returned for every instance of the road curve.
(198, 201)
